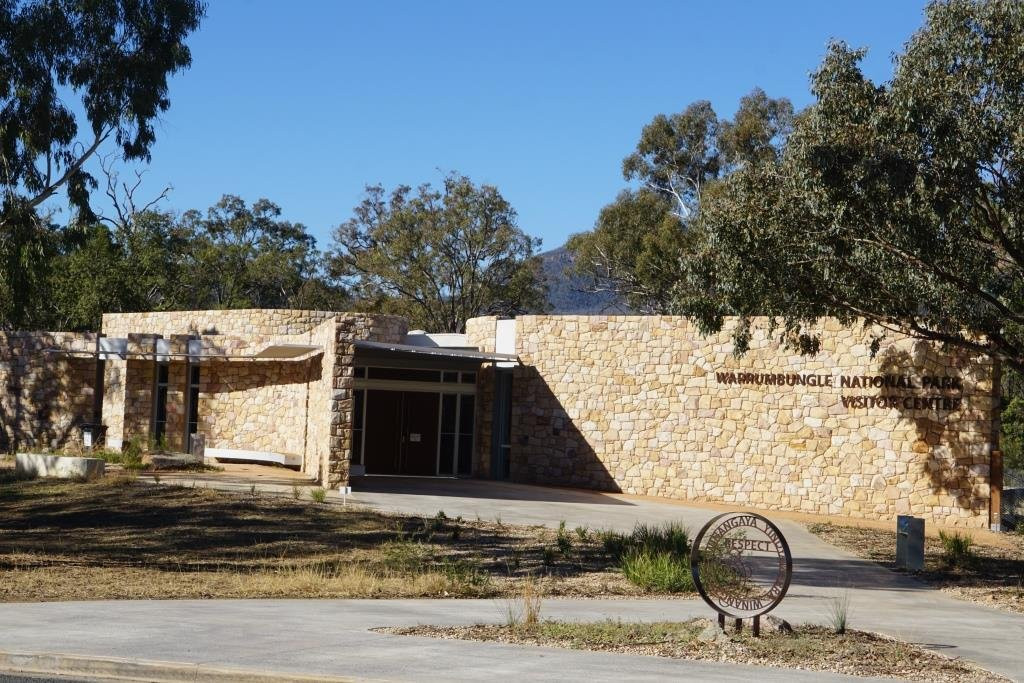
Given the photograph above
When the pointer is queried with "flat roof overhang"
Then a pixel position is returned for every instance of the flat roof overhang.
(430, 357)
(118, 348)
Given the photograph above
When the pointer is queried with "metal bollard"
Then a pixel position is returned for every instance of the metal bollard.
(910, 543)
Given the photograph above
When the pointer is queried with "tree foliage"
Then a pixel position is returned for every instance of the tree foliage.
(113, 55)
(635, 251)
(640, 242)
(245, 257)
(74, 76)
(233, 255)
(899, 204)
(441, 256)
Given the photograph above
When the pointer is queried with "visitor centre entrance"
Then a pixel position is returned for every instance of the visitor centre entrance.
(414, 409)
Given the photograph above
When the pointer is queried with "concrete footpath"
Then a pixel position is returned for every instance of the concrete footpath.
(324, 639)
(334, 637)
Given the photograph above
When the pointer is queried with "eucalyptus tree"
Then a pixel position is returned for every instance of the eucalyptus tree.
(439, 256)
(641, 241)
(245, 256)
(74, 76)
(899, 204)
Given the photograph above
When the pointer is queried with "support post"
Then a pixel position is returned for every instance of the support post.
(186, 446)
(97, 391)
(155, 387)
(721, 621)
(757, 626)
(739, 626)
(995, 499)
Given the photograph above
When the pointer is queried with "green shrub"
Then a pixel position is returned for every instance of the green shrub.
(657, 571)
(437, 523)
(318, 495)
(129, 457)
(404, 556)
(465, 572)
(957, 548)
(563, 540)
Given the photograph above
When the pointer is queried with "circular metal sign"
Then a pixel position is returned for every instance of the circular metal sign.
(741, 564)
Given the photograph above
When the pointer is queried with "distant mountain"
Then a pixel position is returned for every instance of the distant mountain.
(565, 293)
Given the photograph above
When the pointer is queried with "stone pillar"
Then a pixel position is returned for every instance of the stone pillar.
(350, 327)
(115, 374)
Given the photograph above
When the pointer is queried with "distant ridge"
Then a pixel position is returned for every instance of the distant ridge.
(565, 293)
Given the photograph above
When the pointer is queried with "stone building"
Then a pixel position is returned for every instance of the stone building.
(638, 404)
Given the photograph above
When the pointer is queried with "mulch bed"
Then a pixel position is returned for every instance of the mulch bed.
(816, 648)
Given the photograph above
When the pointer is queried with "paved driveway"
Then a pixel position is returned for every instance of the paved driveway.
(880, 600)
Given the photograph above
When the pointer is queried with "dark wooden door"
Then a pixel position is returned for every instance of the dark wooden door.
(419, 433)
(383, 451)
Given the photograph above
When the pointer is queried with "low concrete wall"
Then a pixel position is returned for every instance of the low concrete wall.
(58, 466)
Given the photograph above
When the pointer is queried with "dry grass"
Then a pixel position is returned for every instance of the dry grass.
(809, 647)
(122, 538)
(985, 573)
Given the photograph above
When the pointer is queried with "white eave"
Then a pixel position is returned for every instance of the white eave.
(436, 352)
(112, 347)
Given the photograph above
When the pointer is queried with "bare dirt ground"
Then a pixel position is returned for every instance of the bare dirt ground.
(120, 538)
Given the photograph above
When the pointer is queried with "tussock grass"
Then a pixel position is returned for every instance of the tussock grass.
(657, 572)
(655, 558)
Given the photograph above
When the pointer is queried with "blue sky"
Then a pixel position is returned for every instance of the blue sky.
(306, 102)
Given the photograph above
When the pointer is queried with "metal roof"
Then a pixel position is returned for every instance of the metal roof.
(435, 352)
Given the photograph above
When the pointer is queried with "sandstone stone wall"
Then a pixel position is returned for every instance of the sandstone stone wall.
(481, 333)
(646, 405)
(349, 328)
(252, 405)
(243, 322)
(321, 391)
(298, 407)
(44, 397)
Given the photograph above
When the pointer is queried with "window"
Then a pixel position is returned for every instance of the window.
(455, 445)
(193, 400)
(449, 435)
(469, 378)
(160, 412)
(405, 375)
(358, 424)
(466, 415)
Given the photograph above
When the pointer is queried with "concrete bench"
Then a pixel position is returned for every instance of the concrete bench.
(253, 456)
(59, 466)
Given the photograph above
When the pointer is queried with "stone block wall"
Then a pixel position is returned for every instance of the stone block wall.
(481, 333)
(242, 322)
(44, 397)
(349, 328)
(296, 407)
(251, 405)
(646, 405)
(321, 391)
